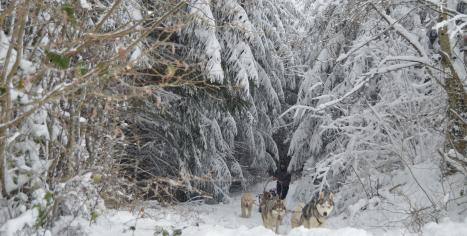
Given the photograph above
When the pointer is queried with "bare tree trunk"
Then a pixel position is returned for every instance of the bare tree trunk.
(465, 47)
(457, 128)
(3, 135)
(4, 117)
(7, 76)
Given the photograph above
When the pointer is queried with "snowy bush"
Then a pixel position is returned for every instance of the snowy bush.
(79, 197)
(63, 68)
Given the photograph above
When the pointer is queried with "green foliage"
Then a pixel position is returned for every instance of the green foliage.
(10, 163)
(177, 232)
(20, 84)
(42, 216)
(70, 13)
(103, 69)
(170, 71)
(164, 232)
(96, 178)
(81, 69)
(60, 61)
(48, 197)
(94, 216)
(233, 102)
(43, 210)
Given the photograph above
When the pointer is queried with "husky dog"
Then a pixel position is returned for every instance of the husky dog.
(272, 211)
(264, 196)
(295, 221)
(246, 203)
(315, 212)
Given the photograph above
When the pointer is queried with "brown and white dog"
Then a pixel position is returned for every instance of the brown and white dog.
(246, 203)
(272, 211)
(313, 214)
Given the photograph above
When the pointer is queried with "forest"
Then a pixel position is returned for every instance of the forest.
(156, 117)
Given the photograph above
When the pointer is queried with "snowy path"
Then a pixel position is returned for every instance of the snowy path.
(195, 219)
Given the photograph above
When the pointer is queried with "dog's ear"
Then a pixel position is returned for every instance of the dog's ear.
(321, 195)
(331, 196)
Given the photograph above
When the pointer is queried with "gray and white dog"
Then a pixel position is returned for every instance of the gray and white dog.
(314, 213)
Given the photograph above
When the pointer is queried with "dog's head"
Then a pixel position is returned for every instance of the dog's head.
(247, 198)
(325, 203)
(278, 209)
(265, 196)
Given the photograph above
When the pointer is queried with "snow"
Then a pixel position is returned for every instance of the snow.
(261, 231)
(134, 12)
(224, 220)
(146, 227)
(119, 223)
(220, 230)
(26, 66)
(329, 232)
(85, 4)
(4, 45)
(135, 54)
(403, 32)
(198, 219)
(446, 228)
(26, 219)
(206, 34)
(353, 209)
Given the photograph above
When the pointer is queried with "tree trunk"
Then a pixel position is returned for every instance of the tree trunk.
(2, 160)
(457, 128)
(5, 116)
(465, 47)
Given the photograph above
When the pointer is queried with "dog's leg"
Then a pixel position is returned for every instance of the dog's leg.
(268, 223)
(295, 220)
(306, 223)
(314, 223)
(277, 223)
(243, 211)
(265, 223)
(263, 217)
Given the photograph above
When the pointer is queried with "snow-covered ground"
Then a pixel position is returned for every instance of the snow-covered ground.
(197, 219)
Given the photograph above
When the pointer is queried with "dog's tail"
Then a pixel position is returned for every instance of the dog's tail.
(299, 207)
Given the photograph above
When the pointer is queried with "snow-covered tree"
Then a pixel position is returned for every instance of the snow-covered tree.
(374, 98)
(244, 61)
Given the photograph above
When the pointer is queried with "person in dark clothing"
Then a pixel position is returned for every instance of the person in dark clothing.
(283, 179)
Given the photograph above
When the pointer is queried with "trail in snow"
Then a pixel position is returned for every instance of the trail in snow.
(199, 219)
